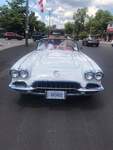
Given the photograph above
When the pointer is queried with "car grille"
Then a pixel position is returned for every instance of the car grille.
(56, 85)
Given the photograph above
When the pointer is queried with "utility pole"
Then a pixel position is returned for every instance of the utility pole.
(73, 30)
(49, 11)
(27, 23)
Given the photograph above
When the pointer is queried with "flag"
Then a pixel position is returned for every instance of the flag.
(42, 4)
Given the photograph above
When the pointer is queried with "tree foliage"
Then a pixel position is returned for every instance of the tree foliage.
(98, 24)
(79, 20)
(69, 28)
(84, 24)
(12, 17)
(102, 19)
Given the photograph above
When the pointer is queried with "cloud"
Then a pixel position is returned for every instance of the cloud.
(38, 16)
(68, 14)
(75, 3)
(92, 10)
(103, 2)
(62, 10)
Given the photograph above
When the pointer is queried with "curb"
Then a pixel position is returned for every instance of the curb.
(106, 43)
(4, 48)
(7, 46)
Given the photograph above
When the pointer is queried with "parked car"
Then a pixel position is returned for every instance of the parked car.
(13, 35)
(56, 69)
(37, 36)
(91, 41)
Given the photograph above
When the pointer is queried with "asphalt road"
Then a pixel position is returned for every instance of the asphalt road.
(32, 123)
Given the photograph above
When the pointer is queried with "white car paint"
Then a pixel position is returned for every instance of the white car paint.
(56, 65)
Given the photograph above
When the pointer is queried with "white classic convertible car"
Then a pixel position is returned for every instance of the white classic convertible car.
(56, 69)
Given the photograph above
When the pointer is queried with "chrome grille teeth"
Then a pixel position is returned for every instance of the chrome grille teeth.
(56, 84)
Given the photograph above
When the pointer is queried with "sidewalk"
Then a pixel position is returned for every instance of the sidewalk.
(105, 42)
(4, 43)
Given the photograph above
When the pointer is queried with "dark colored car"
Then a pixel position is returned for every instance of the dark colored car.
(90, 42)
(37, 36)
(13, 35)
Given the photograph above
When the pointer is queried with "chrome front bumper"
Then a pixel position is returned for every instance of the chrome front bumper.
(81, 91)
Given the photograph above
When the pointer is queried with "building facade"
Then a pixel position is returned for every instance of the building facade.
(109, 31)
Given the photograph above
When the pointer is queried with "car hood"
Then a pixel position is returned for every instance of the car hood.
(57, 65)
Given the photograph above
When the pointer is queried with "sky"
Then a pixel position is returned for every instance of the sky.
(62, 10)
(2, 2)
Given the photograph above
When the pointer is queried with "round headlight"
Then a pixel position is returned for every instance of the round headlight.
(24, 74)
(89, 75)
(98, 75)
(14, 73)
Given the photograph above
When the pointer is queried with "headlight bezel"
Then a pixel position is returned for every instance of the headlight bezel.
(12, 73)
(24, 74)
(93, 75)
(19, 74)
(97, 73)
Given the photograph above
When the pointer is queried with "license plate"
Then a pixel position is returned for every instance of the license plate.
(55, 95)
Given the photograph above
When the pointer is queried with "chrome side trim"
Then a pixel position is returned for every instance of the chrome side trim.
(81, 91)
(20, 88)
(91, 90)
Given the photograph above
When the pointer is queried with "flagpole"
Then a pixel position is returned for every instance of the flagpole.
(27, 23)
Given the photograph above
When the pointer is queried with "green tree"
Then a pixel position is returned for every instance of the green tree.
(98, 24)
(90, 25)
(79, 20)
(40, 26)
(102, 19)
(83, 35)
(12, 17)
(69, 27)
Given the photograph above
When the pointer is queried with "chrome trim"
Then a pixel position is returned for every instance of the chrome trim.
(81, 91)
(91, 90)
(55, 88)
(20, 88)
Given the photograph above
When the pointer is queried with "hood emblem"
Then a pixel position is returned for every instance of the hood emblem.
(56, 73)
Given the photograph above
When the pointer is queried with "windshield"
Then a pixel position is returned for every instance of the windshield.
(60, 44)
